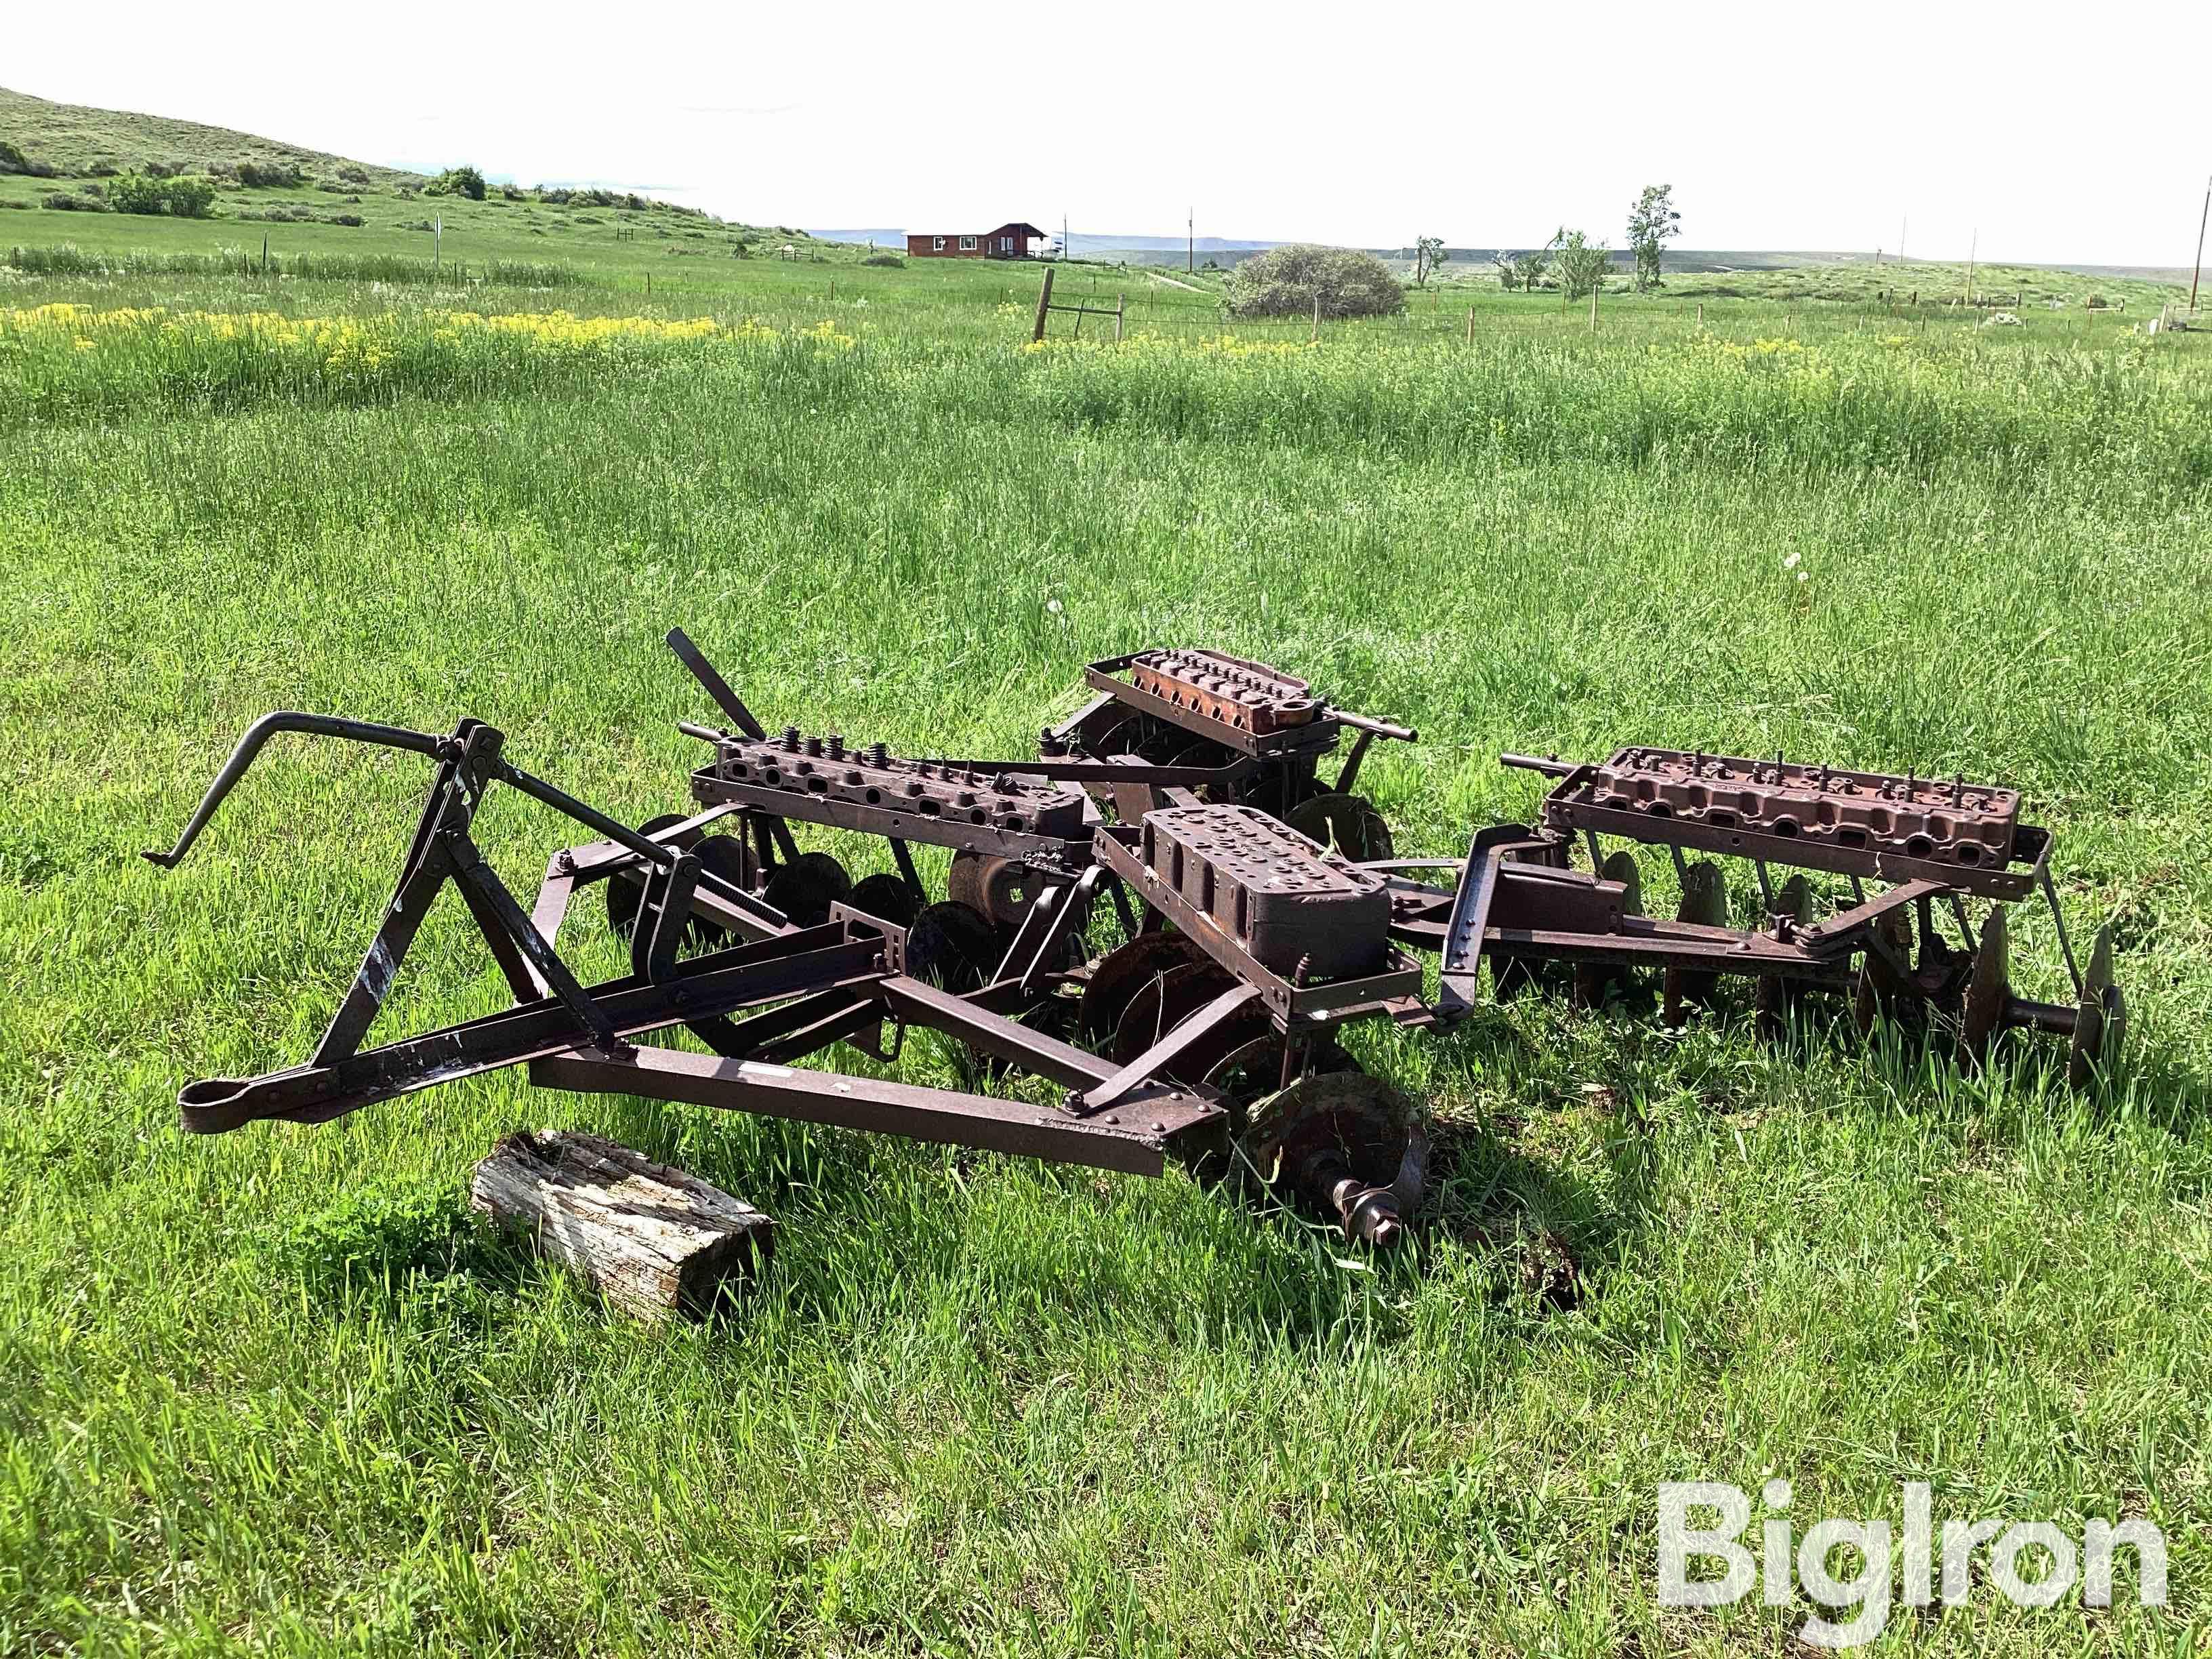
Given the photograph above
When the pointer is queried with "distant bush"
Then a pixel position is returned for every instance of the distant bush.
(1286, 281)
(268, 175)
(171, 169)
(183, 197)
(12, 159)
(458, 181)
(102, 170)
(890, 261)
(351, 221)
(563, 196)
(62, 202)
(354, 175)
(513, 193)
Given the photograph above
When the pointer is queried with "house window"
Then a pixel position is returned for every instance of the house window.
(1005, 245)
(967, 244)
(937, 245)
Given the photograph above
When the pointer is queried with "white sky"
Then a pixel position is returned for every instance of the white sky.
(2065, 133)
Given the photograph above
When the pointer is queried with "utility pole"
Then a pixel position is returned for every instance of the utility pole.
(1904, 220)
(2199, 270)
(1191, 243)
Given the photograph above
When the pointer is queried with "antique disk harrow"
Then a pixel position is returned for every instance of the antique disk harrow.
(1260, 909)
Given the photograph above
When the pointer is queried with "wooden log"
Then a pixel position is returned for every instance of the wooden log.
(654, 1240)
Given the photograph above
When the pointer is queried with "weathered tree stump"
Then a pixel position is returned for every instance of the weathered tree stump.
(655, 1241)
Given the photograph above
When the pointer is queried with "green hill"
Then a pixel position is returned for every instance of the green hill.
(79, 141)
(58, 164)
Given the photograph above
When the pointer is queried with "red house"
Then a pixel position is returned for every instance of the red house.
(1010, 241)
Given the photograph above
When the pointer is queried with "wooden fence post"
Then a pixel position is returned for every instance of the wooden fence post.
(1470, 325)
(1121, 304)
(1316, 323)
(1044, 300)
(1594, 288)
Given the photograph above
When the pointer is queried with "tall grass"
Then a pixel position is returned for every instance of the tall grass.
(67, 260)
(1877, 403)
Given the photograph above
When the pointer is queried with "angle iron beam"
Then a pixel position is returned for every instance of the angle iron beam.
(1137, 1138)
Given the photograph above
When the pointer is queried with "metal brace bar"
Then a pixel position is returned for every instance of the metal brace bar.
(1171, 1047)
(2058, 921)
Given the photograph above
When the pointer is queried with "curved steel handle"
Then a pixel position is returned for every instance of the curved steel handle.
(320, 725)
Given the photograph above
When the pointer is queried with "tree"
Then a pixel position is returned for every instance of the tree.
(1651, 221)
(1428, 253)
(1286, 281)
(1580, 263)
(1522, 271)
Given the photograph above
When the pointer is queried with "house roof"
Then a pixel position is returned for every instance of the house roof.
(1015, 227)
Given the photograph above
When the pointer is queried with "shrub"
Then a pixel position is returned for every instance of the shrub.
(268, 175)
(352, 220)
(1285, 281)
(458, 181)
(892, 260)
(62, 202)
(354, 175)
(189, 198)
(181, 198)
(102, 170)
(171, 169)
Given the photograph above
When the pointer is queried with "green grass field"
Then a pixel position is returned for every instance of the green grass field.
(266, 1391)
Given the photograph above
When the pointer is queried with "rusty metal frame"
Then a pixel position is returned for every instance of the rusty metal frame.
(817, 985)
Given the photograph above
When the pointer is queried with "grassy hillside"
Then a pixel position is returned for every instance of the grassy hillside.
(77, 140)
(334, 206)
